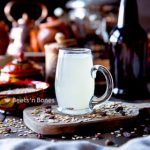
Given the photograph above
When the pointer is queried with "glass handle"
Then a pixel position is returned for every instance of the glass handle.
(109, 85)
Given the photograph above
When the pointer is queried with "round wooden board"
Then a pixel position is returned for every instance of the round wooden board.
(95, 124)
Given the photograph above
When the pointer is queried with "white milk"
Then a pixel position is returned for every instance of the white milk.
(74, 85)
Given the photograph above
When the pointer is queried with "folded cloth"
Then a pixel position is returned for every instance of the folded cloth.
(34, 144)
(137, 144)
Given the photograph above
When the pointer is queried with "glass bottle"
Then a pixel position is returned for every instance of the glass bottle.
(128, 43)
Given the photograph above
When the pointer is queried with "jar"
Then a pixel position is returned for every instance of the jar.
(51, 54)
(48, 30)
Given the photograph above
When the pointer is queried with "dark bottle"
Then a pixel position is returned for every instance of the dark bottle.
(127, 55)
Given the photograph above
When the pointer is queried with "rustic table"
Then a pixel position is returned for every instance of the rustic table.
(13, 127)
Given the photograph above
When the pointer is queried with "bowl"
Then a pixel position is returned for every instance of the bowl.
(15, 96)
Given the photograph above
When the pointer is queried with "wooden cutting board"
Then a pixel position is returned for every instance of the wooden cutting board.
(107, 117)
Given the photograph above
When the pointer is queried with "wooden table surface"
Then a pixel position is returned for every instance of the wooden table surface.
(19, 130)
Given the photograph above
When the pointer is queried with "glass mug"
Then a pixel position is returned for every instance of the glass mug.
(74, 81)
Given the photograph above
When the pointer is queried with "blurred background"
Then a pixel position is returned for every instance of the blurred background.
(51, 5)
(40, 27)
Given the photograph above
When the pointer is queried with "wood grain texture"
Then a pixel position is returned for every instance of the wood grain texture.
(100, 124)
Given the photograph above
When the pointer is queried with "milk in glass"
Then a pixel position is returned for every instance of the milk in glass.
(74, 85)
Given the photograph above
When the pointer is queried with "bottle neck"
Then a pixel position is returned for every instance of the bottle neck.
(128, 13)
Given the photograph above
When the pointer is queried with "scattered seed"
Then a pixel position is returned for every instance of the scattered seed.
(109, 142)
(48, 107)
(122, 113)
(6, 134)
(52, 117)
(118, 135)
(118, 109)
(48, 111)
(63, 137)
(40, 136)
(20, 134)
(112, 133)
(117, 131)
(147, 130)
(8, 130)
(127, 134)
(94, 138)
(24, 134)
(41, 120)
(103, 113)
(99, 136)
(132, 132)
(20, 130)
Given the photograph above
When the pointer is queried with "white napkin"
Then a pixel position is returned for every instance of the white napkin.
(34, 144)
